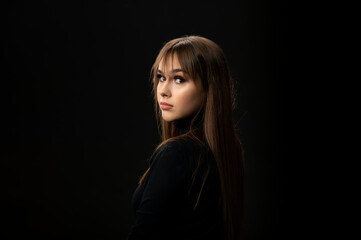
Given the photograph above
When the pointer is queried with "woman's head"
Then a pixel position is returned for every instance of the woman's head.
(191, 74)
(178, 94)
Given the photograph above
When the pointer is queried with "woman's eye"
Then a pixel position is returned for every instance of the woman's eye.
(179, 79)
(160, 77)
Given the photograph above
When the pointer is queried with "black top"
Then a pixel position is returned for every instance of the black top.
(164, 204)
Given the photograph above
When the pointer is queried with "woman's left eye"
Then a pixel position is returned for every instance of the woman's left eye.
(179, 79)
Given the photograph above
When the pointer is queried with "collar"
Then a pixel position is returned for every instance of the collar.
(183, 125)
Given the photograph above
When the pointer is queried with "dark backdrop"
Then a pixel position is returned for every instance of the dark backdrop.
(78, 121)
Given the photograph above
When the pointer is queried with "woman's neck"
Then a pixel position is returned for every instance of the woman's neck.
(183, 124)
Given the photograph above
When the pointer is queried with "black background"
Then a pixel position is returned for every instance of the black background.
(78, 119)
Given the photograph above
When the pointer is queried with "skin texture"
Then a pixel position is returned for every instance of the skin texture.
(175, 87)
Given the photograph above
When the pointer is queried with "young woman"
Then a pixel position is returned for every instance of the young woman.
(193, 188)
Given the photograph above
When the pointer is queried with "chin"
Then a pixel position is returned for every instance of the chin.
(168, 118)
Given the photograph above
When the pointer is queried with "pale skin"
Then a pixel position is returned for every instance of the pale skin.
(177, 88)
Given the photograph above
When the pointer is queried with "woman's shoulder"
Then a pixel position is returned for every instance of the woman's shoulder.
(183, 145)
(177, 149)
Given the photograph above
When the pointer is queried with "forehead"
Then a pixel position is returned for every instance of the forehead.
(169, 62)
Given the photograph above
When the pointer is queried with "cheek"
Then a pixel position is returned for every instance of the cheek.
(157, 93)
(190, 99)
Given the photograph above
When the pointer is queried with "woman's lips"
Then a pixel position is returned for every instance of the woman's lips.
(165, 106)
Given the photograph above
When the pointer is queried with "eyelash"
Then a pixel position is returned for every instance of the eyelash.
(159, 76)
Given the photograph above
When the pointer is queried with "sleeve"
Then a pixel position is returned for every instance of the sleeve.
(163, 196)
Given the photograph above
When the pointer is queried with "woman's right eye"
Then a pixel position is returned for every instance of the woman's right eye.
(160, 77)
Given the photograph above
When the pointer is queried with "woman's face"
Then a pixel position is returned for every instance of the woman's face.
(176, 88)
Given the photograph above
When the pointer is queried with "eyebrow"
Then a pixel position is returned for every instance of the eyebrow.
(173, 71)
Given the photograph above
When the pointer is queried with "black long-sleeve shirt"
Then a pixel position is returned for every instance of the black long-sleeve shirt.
(164, 204)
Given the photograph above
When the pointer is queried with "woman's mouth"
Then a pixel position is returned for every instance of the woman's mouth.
(165, 105)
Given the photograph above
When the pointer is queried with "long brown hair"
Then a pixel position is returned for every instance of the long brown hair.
(206, 64)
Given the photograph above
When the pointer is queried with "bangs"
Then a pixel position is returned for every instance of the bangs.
(187, 59)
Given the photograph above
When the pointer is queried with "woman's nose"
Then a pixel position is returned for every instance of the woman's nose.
(165, 89)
